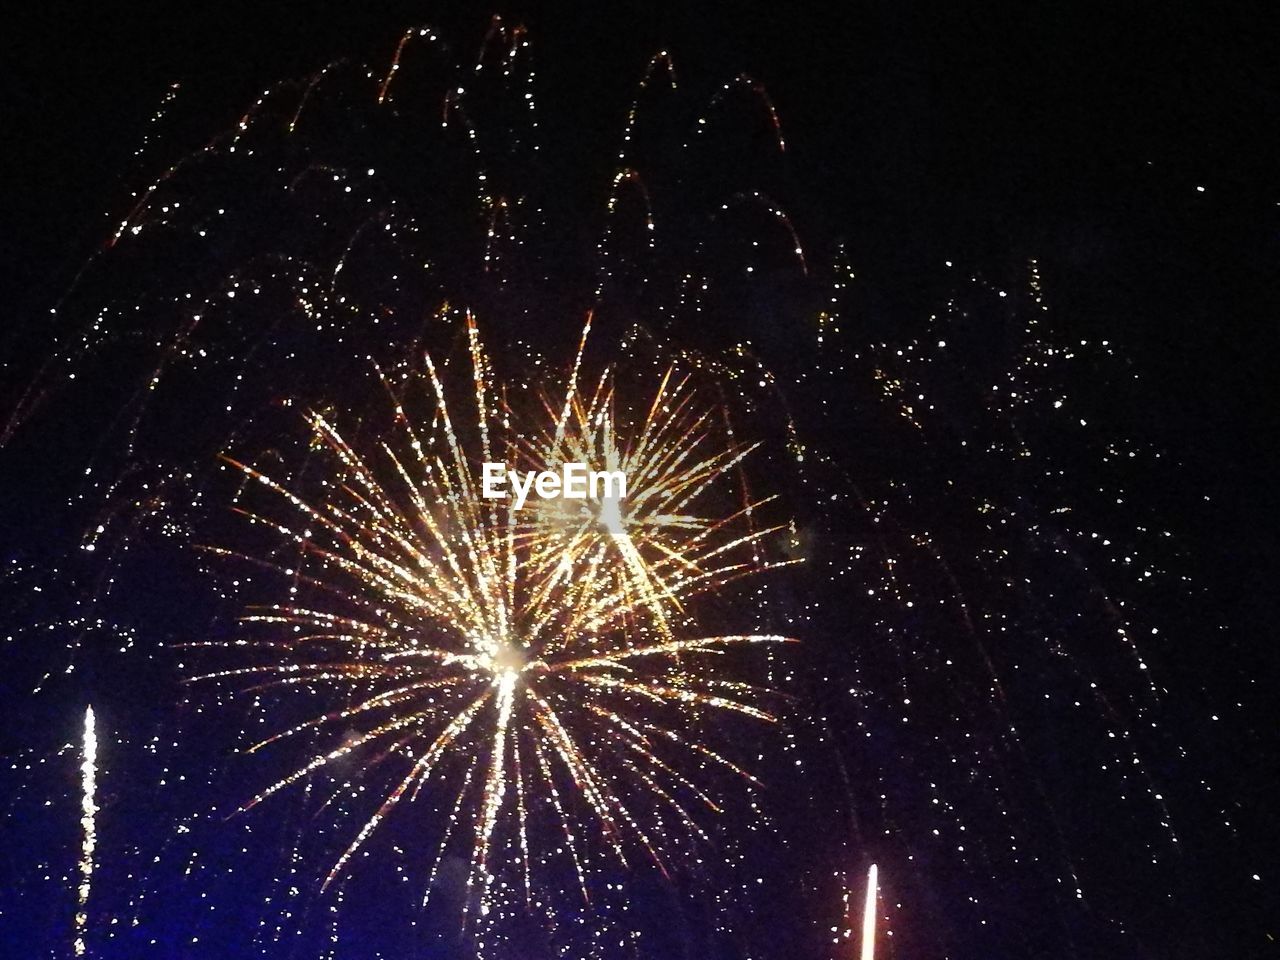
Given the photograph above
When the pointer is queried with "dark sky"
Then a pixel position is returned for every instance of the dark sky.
(981, 132)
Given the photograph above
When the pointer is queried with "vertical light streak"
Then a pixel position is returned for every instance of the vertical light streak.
(869, 917)
(88, 825)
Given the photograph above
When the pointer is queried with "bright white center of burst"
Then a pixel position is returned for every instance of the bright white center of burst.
(508, 662)
(508, 659)
(611, 517)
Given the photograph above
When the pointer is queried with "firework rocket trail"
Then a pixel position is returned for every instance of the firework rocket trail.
(88, 826)
(869, 917)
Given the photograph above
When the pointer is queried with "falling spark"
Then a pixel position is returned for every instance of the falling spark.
(869, 917)
(88, 826)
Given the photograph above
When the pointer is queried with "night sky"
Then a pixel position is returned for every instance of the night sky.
(1131, 157)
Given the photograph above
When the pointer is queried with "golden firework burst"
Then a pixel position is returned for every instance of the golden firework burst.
(673, 536)
(522, 666)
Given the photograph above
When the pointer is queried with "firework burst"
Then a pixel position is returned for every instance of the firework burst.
(666, 542)
(532, 669)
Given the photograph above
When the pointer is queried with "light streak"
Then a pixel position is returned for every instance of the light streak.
(88, 827)
(869, 917)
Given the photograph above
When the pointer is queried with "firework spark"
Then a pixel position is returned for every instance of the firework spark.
(510, 658)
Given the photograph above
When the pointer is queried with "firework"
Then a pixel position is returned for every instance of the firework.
(665, 542)
(535, 684)
(513, 661)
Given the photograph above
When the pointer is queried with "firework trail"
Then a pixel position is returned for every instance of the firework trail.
(88, 827)
(869, 917)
